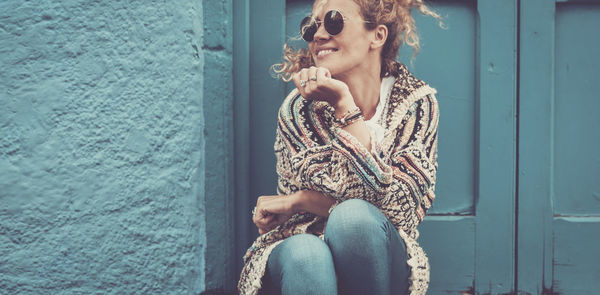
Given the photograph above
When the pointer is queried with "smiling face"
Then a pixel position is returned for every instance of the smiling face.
(350, 50)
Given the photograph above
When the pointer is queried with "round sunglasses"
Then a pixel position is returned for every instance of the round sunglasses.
(333, 22)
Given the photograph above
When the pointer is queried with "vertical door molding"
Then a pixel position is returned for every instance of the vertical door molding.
(241, 155)
(258, 38)
(218, 136)
(495, 217)
(536, 85)
(261, 37)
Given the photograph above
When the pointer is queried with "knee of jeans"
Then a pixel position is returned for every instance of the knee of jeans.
(356, 217)
(306, 252)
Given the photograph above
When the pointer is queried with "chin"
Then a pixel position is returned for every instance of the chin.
(332, 66)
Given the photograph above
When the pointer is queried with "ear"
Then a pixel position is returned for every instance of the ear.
(380, 36)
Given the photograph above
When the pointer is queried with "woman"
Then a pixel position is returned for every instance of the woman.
(356, 149)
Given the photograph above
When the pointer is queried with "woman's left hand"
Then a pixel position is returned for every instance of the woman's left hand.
(272, 211)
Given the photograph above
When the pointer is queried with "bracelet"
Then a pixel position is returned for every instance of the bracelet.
(348, 118)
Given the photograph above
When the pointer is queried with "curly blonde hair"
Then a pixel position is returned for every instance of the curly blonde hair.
(394, 14)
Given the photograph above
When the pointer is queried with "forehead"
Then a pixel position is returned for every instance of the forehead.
(346, 7)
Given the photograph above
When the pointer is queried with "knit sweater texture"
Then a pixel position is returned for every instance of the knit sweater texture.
(397, 175)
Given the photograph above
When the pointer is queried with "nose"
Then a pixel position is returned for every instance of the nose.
(321, 34)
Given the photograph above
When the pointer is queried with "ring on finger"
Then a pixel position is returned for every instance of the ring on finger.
(254, 211)
(302, 83)
(313, 78)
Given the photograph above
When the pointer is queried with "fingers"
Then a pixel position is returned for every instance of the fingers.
(323, 75)
(307, 80)
(301, 81)
(272, 211)
(263, 221)
(304, 77)
(261, 216)
(268, 223)
(327, 72)
(296, 79)
(312, 80)
(316, 83)
(268, 212)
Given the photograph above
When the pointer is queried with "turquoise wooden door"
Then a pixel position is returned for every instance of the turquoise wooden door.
(490, 228)
(559, 163)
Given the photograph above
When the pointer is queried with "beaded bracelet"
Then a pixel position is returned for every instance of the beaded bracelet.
(349, 117)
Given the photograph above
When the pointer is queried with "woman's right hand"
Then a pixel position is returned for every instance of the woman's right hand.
(316, 83)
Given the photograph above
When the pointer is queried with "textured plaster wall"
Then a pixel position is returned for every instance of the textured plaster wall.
(102, 147)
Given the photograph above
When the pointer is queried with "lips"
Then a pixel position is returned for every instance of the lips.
(325, 51)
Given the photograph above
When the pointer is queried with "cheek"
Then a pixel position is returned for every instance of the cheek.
(354, 45)
(353, 52)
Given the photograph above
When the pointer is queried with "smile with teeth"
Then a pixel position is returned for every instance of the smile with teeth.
(324, 52)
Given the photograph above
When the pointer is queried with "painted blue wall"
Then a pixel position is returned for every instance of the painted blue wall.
(105, 147)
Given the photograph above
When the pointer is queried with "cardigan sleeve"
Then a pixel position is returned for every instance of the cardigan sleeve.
(414, 164)
(401, 184)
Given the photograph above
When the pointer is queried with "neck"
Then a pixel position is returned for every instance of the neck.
(365, 85)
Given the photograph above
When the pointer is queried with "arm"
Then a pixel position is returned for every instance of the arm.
(402, 185)
(358, 129)
(313, 202)
(301, 200)
(322, 86)
(415, 166)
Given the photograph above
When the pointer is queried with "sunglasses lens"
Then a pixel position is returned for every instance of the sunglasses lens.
(308, 28)
(334, 22)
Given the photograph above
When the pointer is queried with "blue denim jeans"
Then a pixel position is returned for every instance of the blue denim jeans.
(362, 254)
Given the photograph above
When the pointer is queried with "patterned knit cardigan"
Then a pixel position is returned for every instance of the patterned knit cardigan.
(398, 176)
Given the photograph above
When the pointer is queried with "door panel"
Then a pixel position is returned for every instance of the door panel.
(576, 196)
(447, 62)
(559, 208)
(469, 231)
(576, 116)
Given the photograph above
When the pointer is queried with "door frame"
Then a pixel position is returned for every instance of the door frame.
(496, 135)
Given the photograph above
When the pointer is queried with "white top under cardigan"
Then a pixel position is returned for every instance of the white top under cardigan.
(375, 124)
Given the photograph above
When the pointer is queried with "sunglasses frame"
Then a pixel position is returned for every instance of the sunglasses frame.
(310, 22)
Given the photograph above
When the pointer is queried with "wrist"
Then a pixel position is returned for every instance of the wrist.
(298, 202)
(344, 103)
